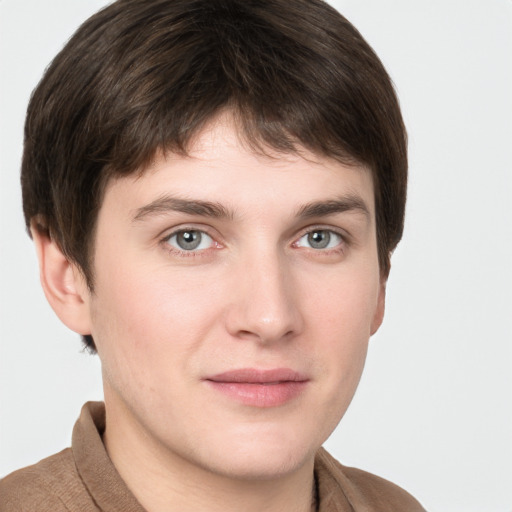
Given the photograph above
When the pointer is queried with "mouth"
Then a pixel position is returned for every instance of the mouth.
(259, 388)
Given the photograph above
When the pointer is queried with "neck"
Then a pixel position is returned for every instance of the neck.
(163, 481)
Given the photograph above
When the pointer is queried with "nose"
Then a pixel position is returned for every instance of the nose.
(265, 305)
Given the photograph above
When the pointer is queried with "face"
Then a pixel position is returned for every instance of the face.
(234, 298)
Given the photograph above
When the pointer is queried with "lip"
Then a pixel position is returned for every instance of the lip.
(259, 388)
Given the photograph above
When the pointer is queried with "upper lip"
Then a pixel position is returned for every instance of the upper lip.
(256, 376)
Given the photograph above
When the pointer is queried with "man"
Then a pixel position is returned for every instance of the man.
(214, 189)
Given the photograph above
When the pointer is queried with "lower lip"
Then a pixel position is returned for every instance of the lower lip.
(260, 395)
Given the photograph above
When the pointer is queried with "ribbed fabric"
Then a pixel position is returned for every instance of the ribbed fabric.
(83, 479)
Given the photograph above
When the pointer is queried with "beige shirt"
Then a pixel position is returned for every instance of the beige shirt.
(83, 479)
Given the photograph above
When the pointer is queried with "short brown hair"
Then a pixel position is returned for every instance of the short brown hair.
(147, 75)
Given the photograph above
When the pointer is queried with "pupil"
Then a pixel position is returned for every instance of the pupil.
(189, 240)
(319, 239)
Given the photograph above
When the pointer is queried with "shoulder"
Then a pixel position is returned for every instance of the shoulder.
(52, 484)
(362, 490)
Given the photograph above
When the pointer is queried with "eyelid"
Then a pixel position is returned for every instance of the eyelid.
(345, 237)
(165, 235)
(204, 238)
(179, 228)
(170, 232)
(323, 227)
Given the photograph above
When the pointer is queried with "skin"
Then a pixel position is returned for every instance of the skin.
(255, 294)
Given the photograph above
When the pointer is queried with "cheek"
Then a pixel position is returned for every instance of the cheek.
(345, 302)
(148, 322)
(341, 316)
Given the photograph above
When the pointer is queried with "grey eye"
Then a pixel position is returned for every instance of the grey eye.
(320, 239)
(190, 240)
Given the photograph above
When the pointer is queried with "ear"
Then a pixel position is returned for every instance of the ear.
(378, 316)
(63, 284)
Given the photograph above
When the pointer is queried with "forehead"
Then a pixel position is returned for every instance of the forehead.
(220, 166)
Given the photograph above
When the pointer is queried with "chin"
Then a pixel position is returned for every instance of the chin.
(262, 457)
(260, 466)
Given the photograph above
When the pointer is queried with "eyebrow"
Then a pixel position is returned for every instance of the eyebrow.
(193, 207)
(169, 203)
(331, 207)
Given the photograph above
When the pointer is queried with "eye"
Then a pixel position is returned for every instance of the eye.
(190, 240)
(320, 239)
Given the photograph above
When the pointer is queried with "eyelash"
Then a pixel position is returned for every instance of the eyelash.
(339, 248)
(191, 253)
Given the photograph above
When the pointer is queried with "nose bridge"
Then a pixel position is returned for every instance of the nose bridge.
(266, 306)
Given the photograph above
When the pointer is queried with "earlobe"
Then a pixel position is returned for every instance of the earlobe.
(63, 284)
(378, 316)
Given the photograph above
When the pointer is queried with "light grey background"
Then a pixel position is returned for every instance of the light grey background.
(434, 409)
